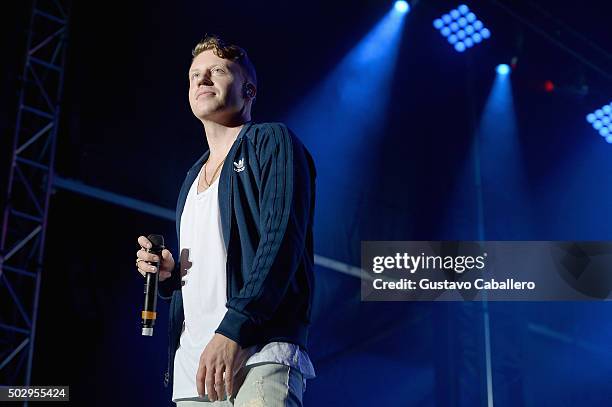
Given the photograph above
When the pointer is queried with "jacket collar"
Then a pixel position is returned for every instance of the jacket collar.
(200, 162)
(224, 187)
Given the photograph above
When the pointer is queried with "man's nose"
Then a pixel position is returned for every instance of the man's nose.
(205, 79)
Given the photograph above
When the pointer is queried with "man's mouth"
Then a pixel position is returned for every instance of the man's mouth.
(204, 94)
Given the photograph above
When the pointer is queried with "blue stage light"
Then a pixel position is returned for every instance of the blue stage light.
(601, 120)
(463, 9)
(503, 69)
(469, 31)
(402, 6)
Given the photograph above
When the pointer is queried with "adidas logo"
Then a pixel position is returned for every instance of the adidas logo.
(239, 166)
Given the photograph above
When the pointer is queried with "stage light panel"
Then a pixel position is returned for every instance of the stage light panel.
(601, 121)
(462, 28)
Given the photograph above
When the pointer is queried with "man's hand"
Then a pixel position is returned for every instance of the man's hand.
(221, 359)
(166, 263)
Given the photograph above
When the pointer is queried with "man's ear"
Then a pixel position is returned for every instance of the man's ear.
(249, 90)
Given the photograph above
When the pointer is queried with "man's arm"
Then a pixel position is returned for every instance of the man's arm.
(285, 196)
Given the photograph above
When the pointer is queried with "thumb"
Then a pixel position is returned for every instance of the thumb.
(166, 254)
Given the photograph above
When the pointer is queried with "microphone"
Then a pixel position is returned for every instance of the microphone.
(150, 289)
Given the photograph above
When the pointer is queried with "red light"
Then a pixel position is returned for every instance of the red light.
(549, 86)
(514, 63)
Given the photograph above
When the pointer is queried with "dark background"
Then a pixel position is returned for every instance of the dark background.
(126, 127)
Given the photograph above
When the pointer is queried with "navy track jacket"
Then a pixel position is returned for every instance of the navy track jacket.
(266, 204)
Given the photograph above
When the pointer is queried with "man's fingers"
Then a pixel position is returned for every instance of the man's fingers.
(200, 376)
(144, 242)
(219, 385)
(146, 256)
(143, 257)
(143, 267)
(210, 385)
(229, 382)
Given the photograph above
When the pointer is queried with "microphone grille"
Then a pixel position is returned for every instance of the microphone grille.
(156, 240)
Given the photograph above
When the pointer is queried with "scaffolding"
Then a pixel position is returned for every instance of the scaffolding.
(30, 183)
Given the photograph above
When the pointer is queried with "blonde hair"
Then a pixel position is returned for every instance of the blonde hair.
(227, 51)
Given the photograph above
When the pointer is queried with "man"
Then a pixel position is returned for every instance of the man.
(241, 294)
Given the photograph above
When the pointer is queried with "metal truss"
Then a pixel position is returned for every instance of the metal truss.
(29, 186)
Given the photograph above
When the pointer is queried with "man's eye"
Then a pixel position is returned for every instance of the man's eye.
(218, 70)
(193, 75)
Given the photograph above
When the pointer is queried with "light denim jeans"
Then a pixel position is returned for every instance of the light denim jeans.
(265, 385)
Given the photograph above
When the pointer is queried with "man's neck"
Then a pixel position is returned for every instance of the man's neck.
(220, 138)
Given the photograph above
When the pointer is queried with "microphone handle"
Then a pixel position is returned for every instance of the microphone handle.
(149, 313)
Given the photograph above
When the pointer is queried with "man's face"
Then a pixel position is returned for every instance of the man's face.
(215, 87)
